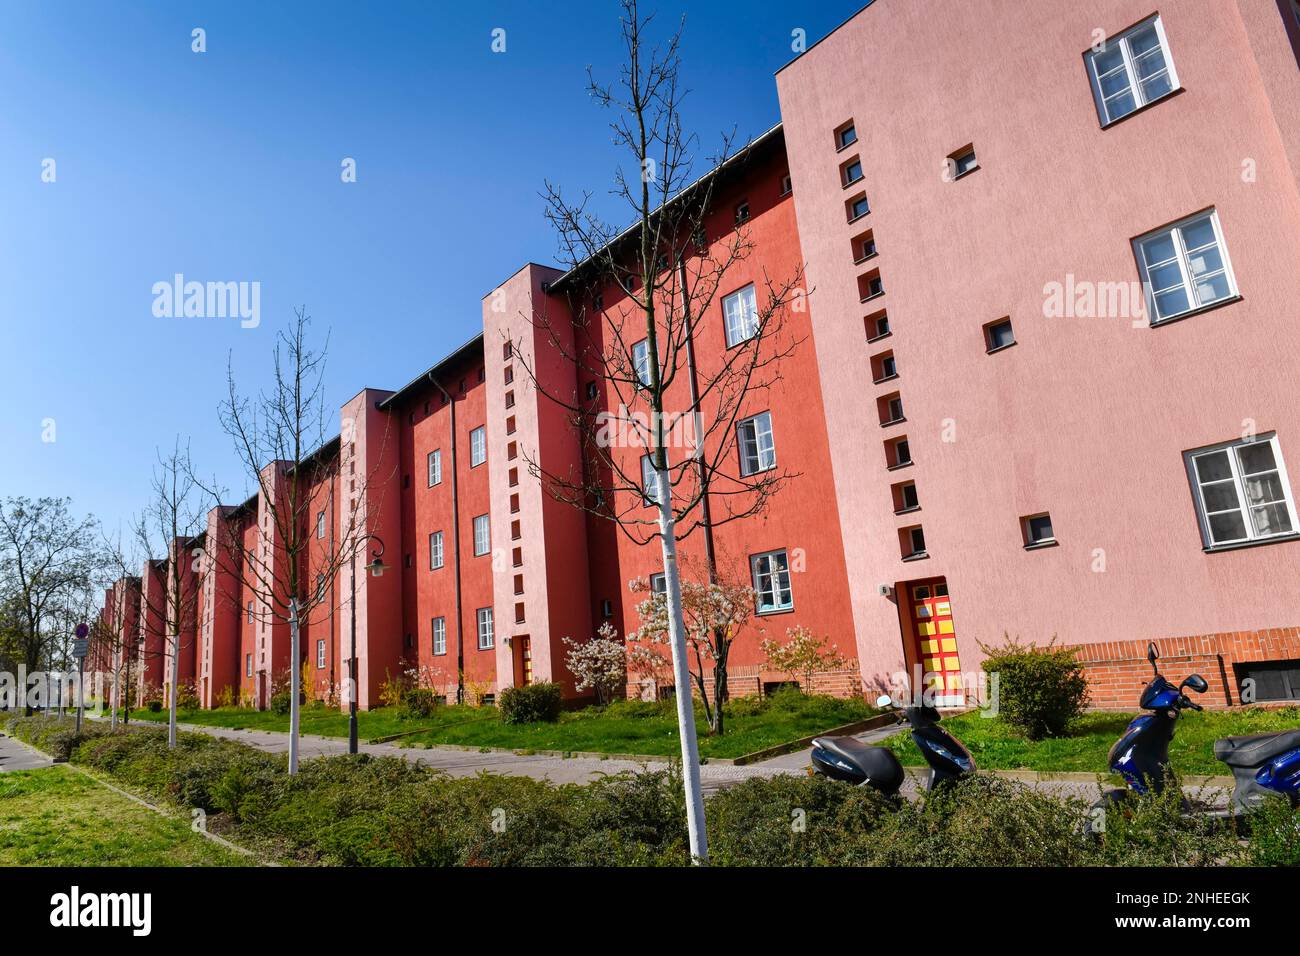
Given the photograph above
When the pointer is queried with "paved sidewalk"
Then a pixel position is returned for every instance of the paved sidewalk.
(15, 755)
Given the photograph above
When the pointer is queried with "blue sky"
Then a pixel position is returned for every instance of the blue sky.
(225, 166)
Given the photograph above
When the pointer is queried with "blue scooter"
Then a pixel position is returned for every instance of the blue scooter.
(1262, 764)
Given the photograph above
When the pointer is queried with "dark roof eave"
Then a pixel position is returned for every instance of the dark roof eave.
(424, 377)
(762, 140)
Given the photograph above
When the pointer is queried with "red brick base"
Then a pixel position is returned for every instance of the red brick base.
(1118, 670)
(749, 680)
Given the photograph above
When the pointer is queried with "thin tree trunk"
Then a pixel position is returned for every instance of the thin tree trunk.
(173, 678)
(294, 678)
(112, 721)
(681, 670)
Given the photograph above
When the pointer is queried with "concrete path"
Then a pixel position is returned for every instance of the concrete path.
(15, 755)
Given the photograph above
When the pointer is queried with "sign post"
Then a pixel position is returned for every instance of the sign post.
(80, 647)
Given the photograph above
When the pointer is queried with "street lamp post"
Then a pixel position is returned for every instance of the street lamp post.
(375, 567)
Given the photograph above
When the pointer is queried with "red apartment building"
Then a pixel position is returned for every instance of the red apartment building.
(1044, 387)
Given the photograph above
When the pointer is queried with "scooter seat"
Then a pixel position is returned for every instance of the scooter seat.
(1256, 749)
(850, 748)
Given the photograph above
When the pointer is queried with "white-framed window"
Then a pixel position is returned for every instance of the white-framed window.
(320, 655)
(248, 665)
(641, 361)
(1242, 491)
(440, 635)
(740, 310)
(477, 446)
(435, 551)
(482, 535)
(250, 613)
(1131, 70)
(1184, 267)
(485, 638)
(320, 586)
(649, 481)
(320, 524)
(771, 572)
(757, 447)
(435, 467)
(659, 583)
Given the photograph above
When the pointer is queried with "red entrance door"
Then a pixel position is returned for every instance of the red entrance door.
(525, 660)
(936, 641)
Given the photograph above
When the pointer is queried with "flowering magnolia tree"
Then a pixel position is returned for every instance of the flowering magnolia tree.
(802, 655)
(599, 664)
(712, 613)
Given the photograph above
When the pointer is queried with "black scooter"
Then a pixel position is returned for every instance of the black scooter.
(850, 760)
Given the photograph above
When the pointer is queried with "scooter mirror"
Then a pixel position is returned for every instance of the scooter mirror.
(883, 702)
(1197, 683)
(1152, 654)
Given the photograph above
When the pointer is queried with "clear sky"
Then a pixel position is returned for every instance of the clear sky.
(225, 166)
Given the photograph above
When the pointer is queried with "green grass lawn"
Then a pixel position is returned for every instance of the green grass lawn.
(631, 727)
(995, 746)
(323, 721)
(59, 817)
(635, 727)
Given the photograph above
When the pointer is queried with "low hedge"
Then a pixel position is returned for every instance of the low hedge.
(532, 703)
(368, 811)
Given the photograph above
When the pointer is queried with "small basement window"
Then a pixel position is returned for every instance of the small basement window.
(1267, 680)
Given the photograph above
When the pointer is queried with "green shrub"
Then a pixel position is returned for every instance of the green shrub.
(1041, 691)
(155, 706)
(1274, 835)
(187, 698)
(1155, 830)
(419, 703)
(535, 703)
(280, 701)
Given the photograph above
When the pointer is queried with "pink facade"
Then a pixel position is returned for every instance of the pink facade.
(1000, 418)
(1086, 418)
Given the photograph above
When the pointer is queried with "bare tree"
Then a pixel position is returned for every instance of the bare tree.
(46, 554)
(168, 526)
(118, 645)
(635, 295)
(279, 438)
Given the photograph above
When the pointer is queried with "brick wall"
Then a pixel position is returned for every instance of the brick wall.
(748, 681)
(1118, 670)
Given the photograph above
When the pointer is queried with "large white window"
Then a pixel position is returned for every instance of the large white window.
(641, 361)
(440, 635)
(1242, 492)
(1131, 70)
(1185, 267)
(435, 467)
(771, 572)
(649, 481)
(320, 655)
(757, 449)
(741, 312)
(485, 639)
(482, 535)
(435, 551)
(477, 446)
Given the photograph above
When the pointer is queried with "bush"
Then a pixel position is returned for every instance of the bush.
(280, 701)
(1041, 691)
(155, 706)
(187, 698)
(533, 704)
(419, 703)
